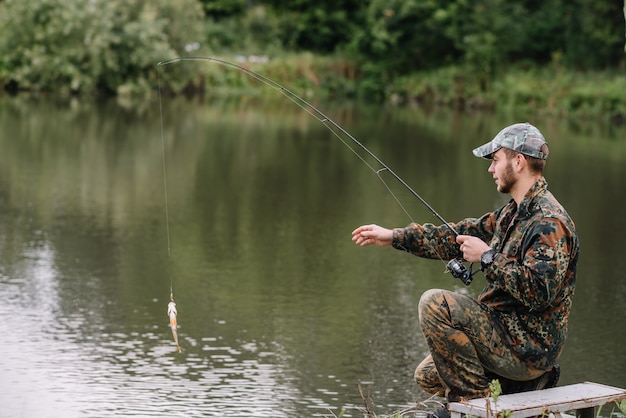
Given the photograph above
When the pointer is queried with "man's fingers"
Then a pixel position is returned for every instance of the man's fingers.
(460, 239)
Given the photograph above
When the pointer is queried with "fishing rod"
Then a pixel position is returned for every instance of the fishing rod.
(454, 266)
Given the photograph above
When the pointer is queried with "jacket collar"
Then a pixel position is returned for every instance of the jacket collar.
(540, 186)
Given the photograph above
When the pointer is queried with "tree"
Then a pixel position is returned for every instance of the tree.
(406, 35)
(220, 9)
(485, 35)
(317, 25)
(110, 46)
(593, 39)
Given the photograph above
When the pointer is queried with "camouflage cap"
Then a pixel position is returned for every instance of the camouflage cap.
(520, 137)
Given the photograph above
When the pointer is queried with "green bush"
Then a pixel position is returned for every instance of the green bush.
(254, 32)
(86, 46)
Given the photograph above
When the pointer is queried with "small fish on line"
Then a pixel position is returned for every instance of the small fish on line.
(172, 312)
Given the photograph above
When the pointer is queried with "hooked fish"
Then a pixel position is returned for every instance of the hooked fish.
(172, 312)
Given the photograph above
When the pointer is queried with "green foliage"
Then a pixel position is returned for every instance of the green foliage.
(316, 25)
(496, 390)
(449, 86)
(404, 35)
(591, 39)
(217, 9)
(79, 46)
(488, 35)
(307, 75)
(409, 35)
(542, 32)
(549, 90)
(491, 33)
(255, 31)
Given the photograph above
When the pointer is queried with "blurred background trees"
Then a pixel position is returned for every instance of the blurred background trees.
(112, 46)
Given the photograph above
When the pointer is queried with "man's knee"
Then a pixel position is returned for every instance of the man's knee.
(431, 299)
(439, 306)
(433, 308)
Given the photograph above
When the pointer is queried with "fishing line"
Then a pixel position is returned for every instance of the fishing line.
(455, 268)
(167, 215)
(171, 307)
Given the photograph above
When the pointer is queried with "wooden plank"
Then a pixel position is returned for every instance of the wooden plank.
(558, 399)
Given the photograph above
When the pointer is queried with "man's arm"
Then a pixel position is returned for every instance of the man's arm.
(440, 242)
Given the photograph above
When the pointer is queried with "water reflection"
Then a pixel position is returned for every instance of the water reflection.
(279, 313)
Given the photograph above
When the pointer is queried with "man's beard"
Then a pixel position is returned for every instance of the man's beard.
(507, 181)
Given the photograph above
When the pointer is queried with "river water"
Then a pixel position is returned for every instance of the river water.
(280, 314)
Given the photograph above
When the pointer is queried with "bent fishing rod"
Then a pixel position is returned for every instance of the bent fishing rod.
(456, 267)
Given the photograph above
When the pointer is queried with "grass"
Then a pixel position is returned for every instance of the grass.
(549, 90)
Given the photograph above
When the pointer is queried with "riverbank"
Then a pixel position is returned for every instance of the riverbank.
(549, 90)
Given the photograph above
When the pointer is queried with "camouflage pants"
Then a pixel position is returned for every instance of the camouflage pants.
(465, 348)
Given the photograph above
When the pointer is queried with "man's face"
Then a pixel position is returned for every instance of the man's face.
(502, 171)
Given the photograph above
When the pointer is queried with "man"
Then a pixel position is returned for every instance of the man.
(528, 250)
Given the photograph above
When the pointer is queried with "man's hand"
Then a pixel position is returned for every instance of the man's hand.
(372, 234)
(472, 247)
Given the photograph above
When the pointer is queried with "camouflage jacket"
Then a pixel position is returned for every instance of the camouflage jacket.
(531, 282)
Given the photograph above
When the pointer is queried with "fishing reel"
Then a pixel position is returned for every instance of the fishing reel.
(461, 271)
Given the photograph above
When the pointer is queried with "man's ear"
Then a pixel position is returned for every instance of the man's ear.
(520, 162)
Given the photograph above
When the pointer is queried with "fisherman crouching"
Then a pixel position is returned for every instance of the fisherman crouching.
(528, 249)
